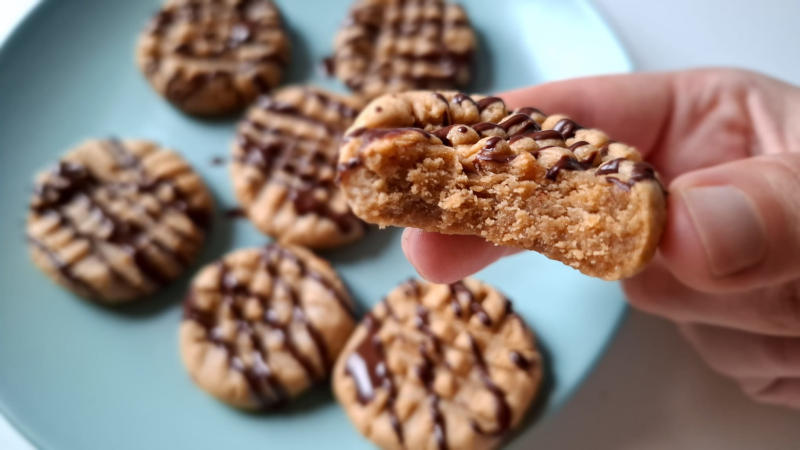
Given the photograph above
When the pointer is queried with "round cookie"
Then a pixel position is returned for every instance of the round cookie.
(395, 45)
(439, 366)
(212, 57)
(263, 324)
(115, 220)
(284, 167)
(453, 163)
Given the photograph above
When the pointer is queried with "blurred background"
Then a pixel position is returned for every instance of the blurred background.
(650, 391)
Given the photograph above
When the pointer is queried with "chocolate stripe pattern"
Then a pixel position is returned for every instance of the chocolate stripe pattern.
(214, 56)
(262, 296)
(116, 220)
(284, 167)
(396, 45)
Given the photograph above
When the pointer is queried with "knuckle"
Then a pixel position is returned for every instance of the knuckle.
(778, 352)
(781, 308)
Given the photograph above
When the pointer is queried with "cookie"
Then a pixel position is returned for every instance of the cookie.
(211, 57)
(452, 163)
(263, 324)
(439, 366)
(115, 220)
(284, 167)
(397, 45)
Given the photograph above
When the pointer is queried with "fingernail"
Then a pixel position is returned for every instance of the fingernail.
(729, 225)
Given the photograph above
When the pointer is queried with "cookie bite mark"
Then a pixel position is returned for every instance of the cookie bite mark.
(209, 57)
(284, 167)
(421, 373)
(517, 178)
(276, 316)
(116, 220)
(392, 46)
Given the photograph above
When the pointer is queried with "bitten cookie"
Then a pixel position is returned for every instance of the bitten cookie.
(262, 325)
(395, 45)
(284, 167)
(439, 366)
(212, 57)
(115, 220)
(452, 163)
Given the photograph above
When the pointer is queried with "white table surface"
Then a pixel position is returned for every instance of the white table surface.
(651, 392)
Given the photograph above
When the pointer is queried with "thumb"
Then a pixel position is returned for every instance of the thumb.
(735, 225)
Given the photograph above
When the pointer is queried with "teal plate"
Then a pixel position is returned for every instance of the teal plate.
(74, 375)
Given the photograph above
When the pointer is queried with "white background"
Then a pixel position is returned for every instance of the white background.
(650, 392)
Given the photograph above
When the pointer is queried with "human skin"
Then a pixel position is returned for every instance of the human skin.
(727, 144)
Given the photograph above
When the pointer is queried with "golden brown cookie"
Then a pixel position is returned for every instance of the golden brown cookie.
(263, 324)
(452, 163)
(115, 220)
(284, 167)
(439, 366)
(397, 45)
(213, 57)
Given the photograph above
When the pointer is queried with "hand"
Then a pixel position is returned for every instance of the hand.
(727, 143)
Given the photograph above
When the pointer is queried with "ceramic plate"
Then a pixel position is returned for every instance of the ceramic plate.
(74, 375)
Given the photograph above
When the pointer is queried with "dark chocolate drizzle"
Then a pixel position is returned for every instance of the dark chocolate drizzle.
(568, 163)
(567, 128)
(369, 135)
(520, 360)
(460, 293)
(446, 115)
(235, 213)
(448, 65)
(485, 102)
(368, 367)
(273, 150)
(482, 127)
(72, 181)
(502, 409)
(462, 97)
(264, 385)
(244, 30)
(640, 171)
(489, 152)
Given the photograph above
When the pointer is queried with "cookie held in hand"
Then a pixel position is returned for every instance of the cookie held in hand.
(439, 366)
(458, 164)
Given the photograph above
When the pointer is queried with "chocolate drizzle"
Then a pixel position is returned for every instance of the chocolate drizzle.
(568, 163)
(446, 114)
(246, 26)
(485, 102)
(519, 360)
(639, 172)
(567, 128)
(72, 182)
(440, 67)
(275, 150)
(368, 135)
(489, 152)
(264, 385)
(502, 409)
(482, 127)
(462, 97)
(368, 367)
(460, 293)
